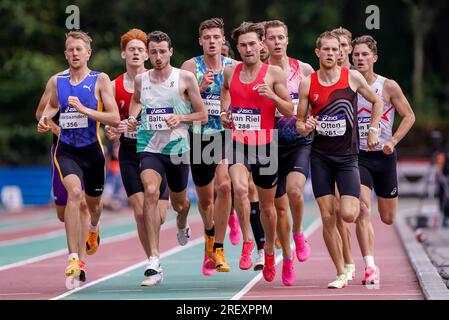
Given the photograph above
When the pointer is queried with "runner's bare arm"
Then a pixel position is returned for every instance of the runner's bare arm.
(304, 124)
(51, 108)
(365, 90)
(400, 102)
(193, 92)
(306, 69)
(280, 94)
(225, 97)
(41, 106)
(135, 106)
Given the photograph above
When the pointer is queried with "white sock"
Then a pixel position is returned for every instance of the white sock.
(93, 228)
(369, 261)
(73, 255)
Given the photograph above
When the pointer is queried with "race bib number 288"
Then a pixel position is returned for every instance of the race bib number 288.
(246, 118)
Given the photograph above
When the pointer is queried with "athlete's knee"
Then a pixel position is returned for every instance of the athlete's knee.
(151, 193)
(328, 220)
(224, 188)
(240, 192)
(75, 194)
(295, 193)
(205, 203)
(180, 205)
(388, 218)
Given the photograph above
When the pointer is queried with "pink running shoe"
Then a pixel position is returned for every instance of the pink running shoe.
(235, 235)
(302, 247)
(288, 271)
(246, 260)
(208, 266)
(371, 276)
(269, 269)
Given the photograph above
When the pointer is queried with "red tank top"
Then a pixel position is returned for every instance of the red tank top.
(335, 107)
(252, 114)
(122, 97)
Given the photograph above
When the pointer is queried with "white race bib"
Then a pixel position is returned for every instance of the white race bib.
(246, 118)
(331, 126)
(212, 104)
(364, 124)
(156, 118)
(130, 135)
(73, 120)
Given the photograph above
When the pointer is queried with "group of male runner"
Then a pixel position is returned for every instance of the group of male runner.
(260, 122)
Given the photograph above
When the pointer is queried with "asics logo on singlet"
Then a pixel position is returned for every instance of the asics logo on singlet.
(328, 118)
(244, 111)
(256, 87)
(70, 109)
(87, 87)
(315, 97)
(158, 111)
(122, 104)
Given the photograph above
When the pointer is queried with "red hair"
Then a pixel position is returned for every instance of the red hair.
(133, 34)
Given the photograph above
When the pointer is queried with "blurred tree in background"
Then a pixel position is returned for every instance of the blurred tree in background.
(411, 43)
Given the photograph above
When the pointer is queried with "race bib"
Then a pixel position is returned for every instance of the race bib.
(130, 135)
(156, 118)
(331, 126)
(364, 124)
(295, 101)
(212, 104)
(73, 120)
(246, 118)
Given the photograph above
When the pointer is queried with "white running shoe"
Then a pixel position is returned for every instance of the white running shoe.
(153, 273)
(154, 280)
(350, 271)
(339, 283)
(260, 260)
(183, 235)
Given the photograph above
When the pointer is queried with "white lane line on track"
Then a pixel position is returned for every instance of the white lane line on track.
(130, 268)
(120, 237)
(315, 225)
(18, 293)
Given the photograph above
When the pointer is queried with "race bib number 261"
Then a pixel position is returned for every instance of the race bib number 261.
(331, 126)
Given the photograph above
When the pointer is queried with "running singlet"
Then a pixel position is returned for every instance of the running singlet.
(252, 114)
(211, 97)
(123, 99)
(364, 117)
(335, 108)
(286, 126)
(77, 129)
(158, 102)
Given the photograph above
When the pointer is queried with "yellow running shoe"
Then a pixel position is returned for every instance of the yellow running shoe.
(73, 269)
(339, 283)
(93, 241)
(209, 246)
(220, 261)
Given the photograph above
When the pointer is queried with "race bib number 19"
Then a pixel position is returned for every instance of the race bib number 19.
(156, 118)
(331, 126)
(246, 118)
(73, 120)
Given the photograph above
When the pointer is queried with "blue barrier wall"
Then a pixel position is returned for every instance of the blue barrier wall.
(34, 183)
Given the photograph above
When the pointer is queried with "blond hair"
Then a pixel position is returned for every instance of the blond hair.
(81, 35)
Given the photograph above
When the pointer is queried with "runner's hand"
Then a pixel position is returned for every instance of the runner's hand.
(304, 128)
(265, 91)
(43, 126)
(122, 126)
(225, 120)
(76, 103)
(132, 124)
(388, 147)
(208, 79)
(111, 132)
(173, 121)
(373, 140)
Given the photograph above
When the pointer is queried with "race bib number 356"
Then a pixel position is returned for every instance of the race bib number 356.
(331, 126)
(73, 120)
(156, 118)
(246, 118)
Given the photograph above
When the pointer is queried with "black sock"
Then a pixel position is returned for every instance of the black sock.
(210, 232)
(254, 219)
(217, 245)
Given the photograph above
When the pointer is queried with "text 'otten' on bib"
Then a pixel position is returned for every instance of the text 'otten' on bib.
(331, 126)
(156, 118)
(246, 118)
